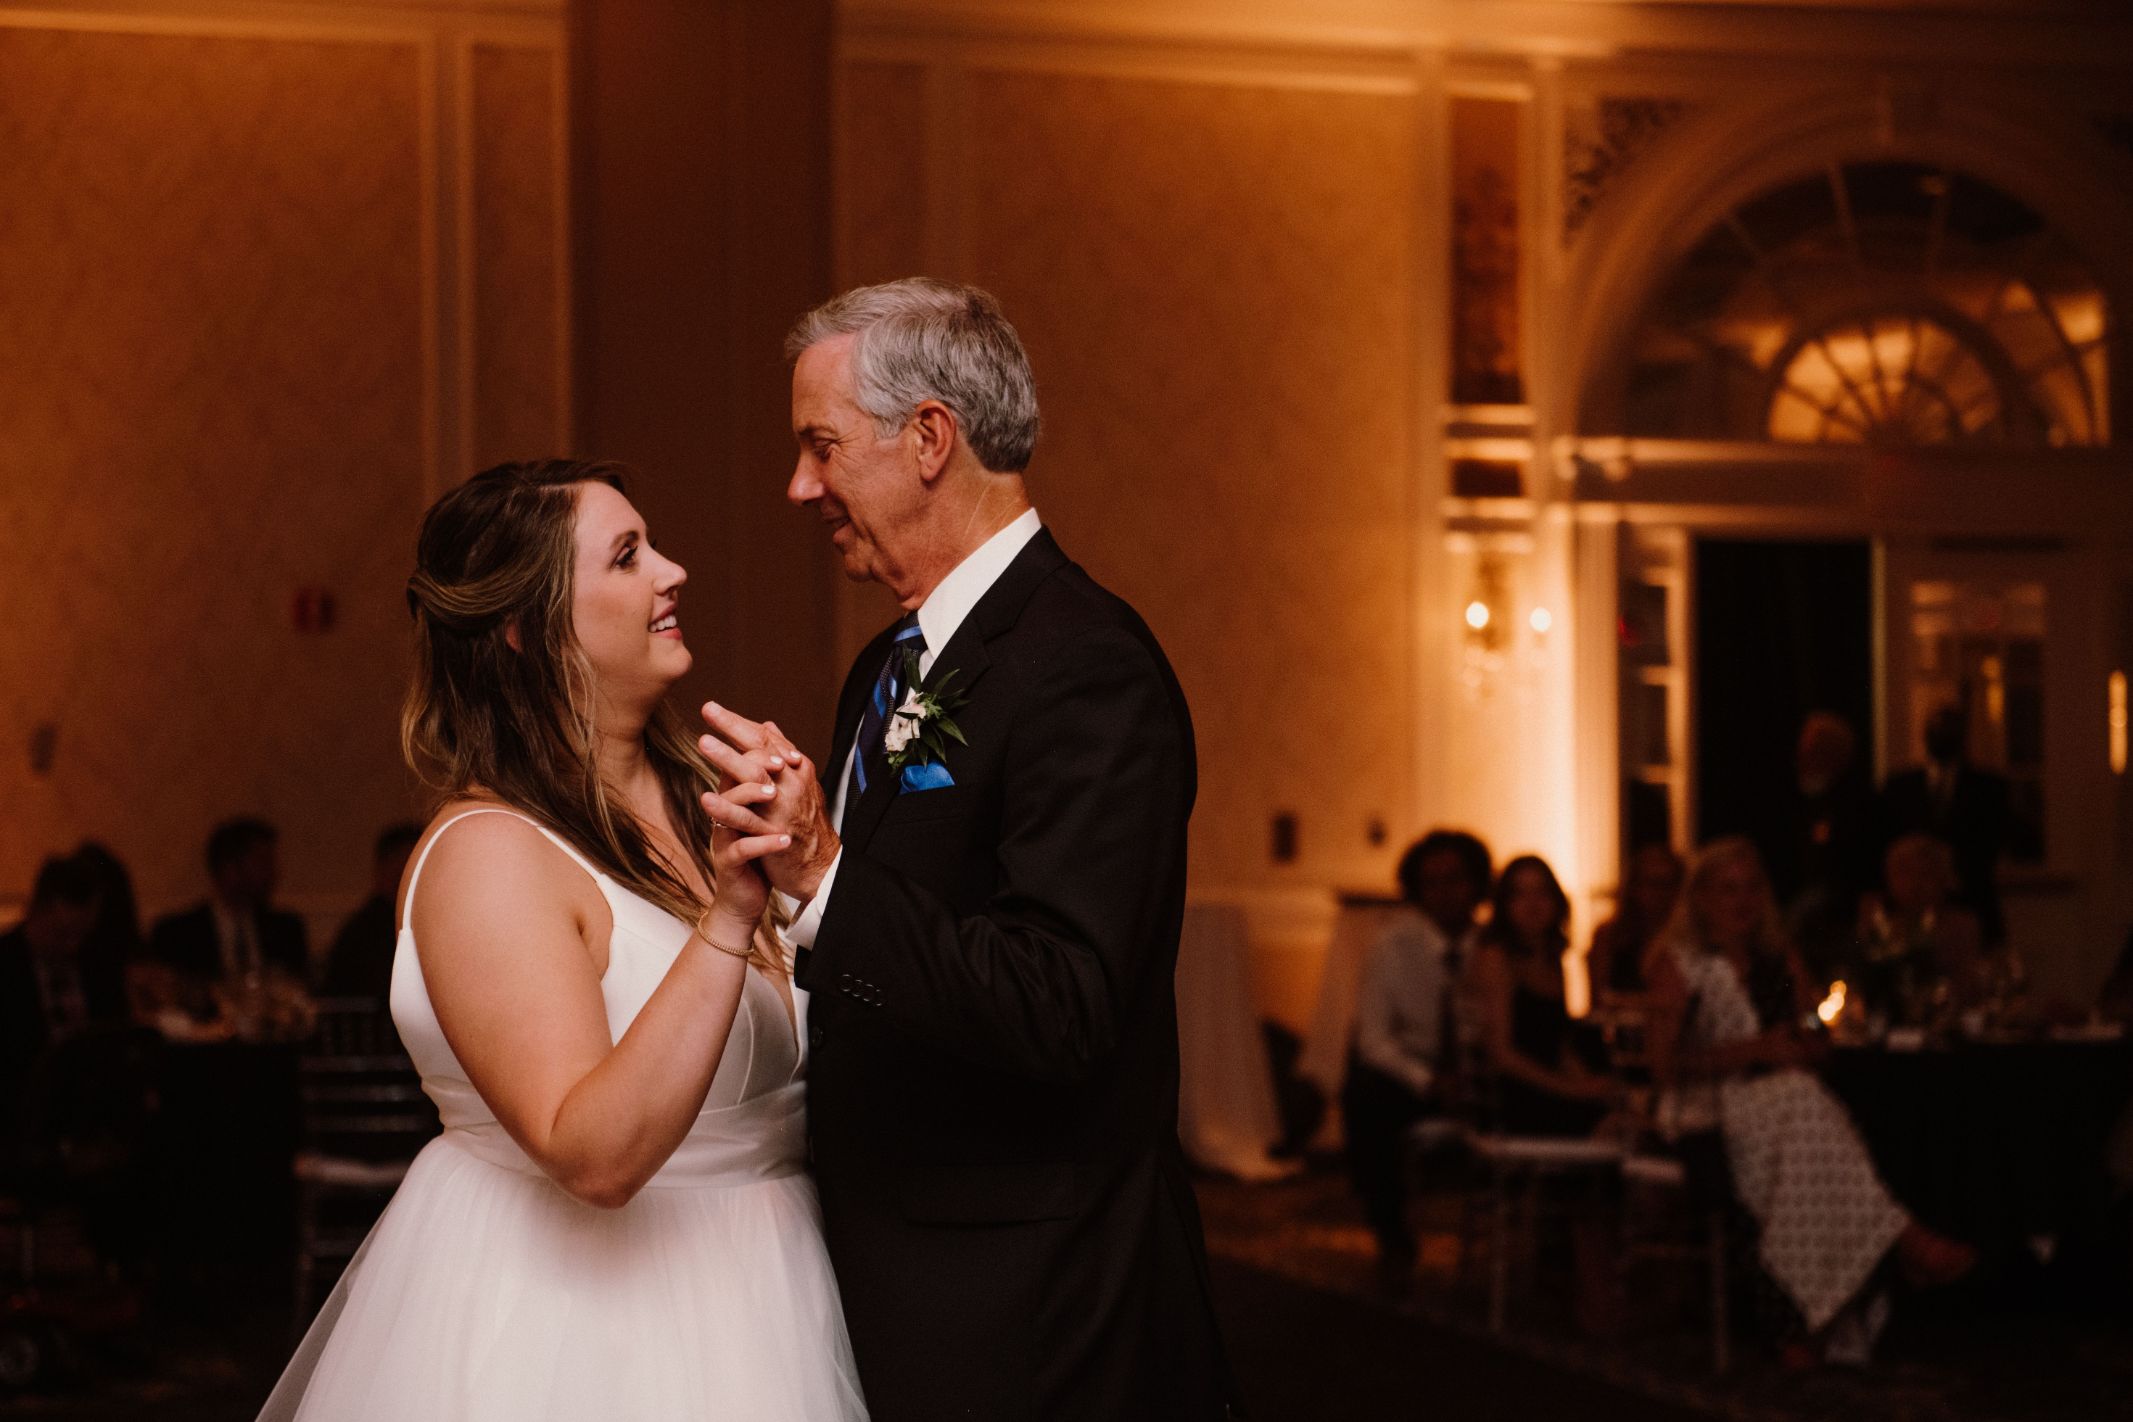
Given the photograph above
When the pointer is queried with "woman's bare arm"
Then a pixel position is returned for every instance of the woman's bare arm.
(503, 926)
(1676, 1060)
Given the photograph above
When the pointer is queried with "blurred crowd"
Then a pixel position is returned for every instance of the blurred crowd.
(148, 1080)
(1714, 995)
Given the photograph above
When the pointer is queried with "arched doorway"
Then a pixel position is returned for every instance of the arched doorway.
(1893, 374)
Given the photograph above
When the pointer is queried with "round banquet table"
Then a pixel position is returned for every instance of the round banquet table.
(1227, 1117)
(2000, 1145)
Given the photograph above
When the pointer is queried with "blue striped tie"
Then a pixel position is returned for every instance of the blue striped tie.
(888, 694)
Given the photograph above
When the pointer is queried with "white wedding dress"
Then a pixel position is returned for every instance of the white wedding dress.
(487, 1294)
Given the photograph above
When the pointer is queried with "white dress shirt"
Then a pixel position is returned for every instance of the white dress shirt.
(236, 935)
(939, 617)
(1402, 1009)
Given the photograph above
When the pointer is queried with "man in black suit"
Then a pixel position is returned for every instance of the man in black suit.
(45, 992)
(1821, 849)
(237, 931)
(360, 963)
(1965, 807)
(987, 916)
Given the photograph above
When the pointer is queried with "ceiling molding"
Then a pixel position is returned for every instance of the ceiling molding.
(2050, 34)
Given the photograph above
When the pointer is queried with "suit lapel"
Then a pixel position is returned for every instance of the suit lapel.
(965, 656)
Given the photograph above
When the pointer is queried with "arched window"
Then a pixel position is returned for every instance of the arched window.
(1876, 303)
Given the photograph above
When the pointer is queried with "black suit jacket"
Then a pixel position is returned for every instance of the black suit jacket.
(993, 1082)
(1977, 823)
(360, 963)
(186, 941)
(24, 1027)
(26, 1030)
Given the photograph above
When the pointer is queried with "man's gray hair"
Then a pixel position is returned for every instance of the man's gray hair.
(922, 339)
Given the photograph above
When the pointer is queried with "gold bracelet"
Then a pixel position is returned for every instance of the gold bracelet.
(705, 934)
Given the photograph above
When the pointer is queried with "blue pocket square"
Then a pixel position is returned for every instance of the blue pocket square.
(930, 776)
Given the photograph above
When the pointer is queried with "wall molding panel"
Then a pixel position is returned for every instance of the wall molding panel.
(259, 317)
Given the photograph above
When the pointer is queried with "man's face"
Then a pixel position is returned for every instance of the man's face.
(1449, 894)
(866, 487)
(1823, 755)
(1946, 735)
(1654, 883)
(250, 877)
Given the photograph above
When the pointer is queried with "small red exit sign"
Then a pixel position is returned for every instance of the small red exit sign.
(312, 610)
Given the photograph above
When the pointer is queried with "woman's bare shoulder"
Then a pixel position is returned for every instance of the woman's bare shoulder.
(490, 861)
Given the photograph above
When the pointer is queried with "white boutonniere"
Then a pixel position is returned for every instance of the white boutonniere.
(919, 730)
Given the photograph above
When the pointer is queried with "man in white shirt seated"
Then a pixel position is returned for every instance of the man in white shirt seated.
(1405, 1042)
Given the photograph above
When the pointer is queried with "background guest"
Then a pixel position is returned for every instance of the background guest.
(1547, 1078)
(1962, 805)
(44, 996)
(1547, 1075)
(1615, 960)
(46, 992)
(114, 943)
(236, 933)
(1824, 858)
(360, 964)
(1729, 997)
(1919, 949)
(1404, 1050)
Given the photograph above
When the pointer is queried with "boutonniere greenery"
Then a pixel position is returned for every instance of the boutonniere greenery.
(919, 730)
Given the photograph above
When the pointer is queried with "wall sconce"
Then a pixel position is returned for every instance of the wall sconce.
(1484, 618)
(1541, 620)
(2116, 688)
(1484, 614)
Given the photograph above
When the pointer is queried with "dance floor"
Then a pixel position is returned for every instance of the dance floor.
(1317, 1338)
(1320, 1335)
(1306, 1355)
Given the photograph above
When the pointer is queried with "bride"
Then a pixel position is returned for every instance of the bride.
(616, 1222)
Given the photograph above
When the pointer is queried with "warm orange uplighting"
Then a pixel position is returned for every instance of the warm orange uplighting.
(1477, 615)
(2117, 722)
(1542, 620)
(1832, 1007)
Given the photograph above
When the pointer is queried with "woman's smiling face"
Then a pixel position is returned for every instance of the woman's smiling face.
(624, 599)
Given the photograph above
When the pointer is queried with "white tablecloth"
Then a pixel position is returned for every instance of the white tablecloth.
(1226, 1113)
(1356, 927)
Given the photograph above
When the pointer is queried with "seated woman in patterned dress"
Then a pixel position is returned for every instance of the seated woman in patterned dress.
(1730, 1000)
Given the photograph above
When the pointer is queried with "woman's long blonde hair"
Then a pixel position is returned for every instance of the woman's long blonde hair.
(1682, 931)
(502, 699)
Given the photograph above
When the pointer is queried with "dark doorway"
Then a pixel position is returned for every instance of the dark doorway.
(1782, 629)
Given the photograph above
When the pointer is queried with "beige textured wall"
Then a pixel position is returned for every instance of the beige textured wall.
(701, 132)
(519, 253)
(228, 359)
(1213, 279)
(1202, 272)
(882, 209)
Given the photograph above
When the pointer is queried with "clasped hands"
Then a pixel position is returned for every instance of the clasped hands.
(769, 788)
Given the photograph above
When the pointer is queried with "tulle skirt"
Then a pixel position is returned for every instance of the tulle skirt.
(487, 1294)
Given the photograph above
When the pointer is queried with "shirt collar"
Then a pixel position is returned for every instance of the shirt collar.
(948, 604)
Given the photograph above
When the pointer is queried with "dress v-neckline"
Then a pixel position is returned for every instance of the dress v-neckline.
(788, 1006)
(789, 1010)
